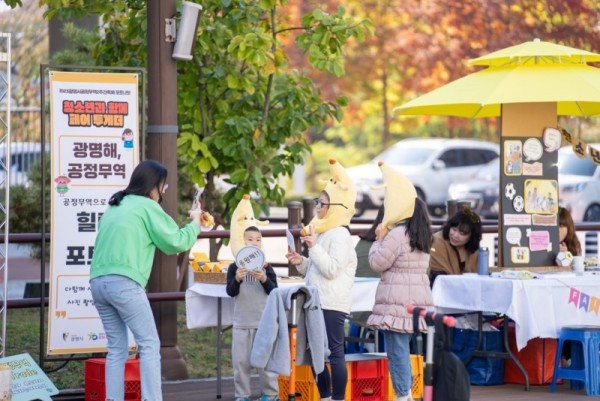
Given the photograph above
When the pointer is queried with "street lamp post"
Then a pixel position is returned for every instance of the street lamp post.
(162, 146)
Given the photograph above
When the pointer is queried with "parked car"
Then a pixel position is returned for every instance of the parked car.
(22, 156)
(480, 190)
(579, 184)
(431, 164)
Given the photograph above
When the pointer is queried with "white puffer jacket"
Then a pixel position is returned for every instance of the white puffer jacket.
(331, 267)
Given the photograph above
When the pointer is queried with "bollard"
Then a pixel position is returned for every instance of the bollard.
(462, 204)
(308, 208)
(450, 208)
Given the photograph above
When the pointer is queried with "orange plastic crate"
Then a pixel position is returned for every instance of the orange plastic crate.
(95, 389)
(416, 364)
(306, 388)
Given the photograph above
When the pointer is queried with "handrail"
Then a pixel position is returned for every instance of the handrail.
(152, 297)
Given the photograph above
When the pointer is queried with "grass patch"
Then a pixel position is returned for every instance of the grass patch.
(198, 348)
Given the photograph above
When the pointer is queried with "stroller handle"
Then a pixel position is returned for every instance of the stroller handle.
(447, 320)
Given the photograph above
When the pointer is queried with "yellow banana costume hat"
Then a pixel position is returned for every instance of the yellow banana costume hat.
(341, 190)
(400, 196)
(241, 219)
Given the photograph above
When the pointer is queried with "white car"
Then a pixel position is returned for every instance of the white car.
(579, 184)
(431, 164)
(22, 156)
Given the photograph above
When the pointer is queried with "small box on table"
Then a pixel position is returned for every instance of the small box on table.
(95, 388)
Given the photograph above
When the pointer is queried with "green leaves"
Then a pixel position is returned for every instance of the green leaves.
(325, 37)
(242, 113)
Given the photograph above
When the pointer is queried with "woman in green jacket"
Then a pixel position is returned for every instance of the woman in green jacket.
(130, 230)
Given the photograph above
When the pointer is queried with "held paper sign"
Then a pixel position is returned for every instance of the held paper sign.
(29, 382)
(290, 240)
(251, 257)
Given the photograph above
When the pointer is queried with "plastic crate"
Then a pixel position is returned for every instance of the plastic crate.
(95, 389)
(416, 365)
(306, 388)
(368, 376)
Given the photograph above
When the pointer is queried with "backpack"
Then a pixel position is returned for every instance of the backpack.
(450, 376)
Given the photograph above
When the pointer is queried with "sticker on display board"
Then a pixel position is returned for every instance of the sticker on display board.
(532, 149)
(541, 196)
(544, 219)
(552, 139)
(251, 257)
(510, 191)
(517, 220)
(540, 241)
(518, 203)
(534, 169)
(513, 157)
(519, 254)
(513, 236)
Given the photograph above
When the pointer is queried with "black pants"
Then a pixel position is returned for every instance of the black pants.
(334, 384)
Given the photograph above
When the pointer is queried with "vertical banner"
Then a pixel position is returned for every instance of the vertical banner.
(95, 147)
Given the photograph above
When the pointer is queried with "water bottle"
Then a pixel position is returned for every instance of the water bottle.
(483, 262)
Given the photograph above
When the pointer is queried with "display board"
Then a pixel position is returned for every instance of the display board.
(529, 199)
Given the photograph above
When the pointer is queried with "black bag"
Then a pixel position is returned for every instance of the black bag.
(450, 377)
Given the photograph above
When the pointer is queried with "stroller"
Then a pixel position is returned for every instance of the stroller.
(445, 377)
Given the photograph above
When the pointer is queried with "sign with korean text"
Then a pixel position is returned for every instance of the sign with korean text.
(28, 381)
(95, 147)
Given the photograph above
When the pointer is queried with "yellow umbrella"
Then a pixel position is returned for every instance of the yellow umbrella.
(536, 52)
(569, 82)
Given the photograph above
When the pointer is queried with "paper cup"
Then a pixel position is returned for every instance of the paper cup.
(5, 383)
(578, 265)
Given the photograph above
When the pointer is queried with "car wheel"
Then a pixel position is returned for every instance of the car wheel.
(592, 213)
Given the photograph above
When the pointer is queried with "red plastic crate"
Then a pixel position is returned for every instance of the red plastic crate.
(368, 376)
(95, 389)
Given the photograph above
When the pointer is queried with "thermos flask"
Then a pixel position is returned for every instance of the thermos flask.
(483, 262)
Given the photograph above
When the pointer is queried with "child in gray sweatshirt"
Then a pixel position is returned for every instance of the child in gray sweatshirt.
(250, 290)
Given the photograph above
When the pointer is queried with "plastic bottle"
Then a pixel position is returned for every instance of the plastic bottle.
(483, 262)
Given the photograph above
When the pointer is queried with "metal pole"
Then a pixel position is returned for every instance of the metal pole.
(162, 146)
(294, 209)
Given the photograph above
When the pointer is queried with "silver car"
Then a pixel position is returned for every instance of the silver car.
(579, 184)
(431, 164)
(480, 190)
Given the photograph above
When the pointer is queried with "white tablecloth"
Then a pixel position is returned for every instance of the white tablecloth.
(539, 307)
(201, 301)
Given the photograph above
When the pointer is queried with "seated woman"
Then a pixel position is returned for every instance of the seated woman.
(567, 233)
(454, 249)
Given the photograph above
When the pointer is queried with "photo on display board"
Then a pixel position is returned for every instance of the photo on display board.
(541, 196)
(513, 158)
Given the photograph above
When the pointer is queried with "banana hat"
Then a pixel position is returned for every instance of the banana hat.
(342, 196)
(241, 219)
(400, 196)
